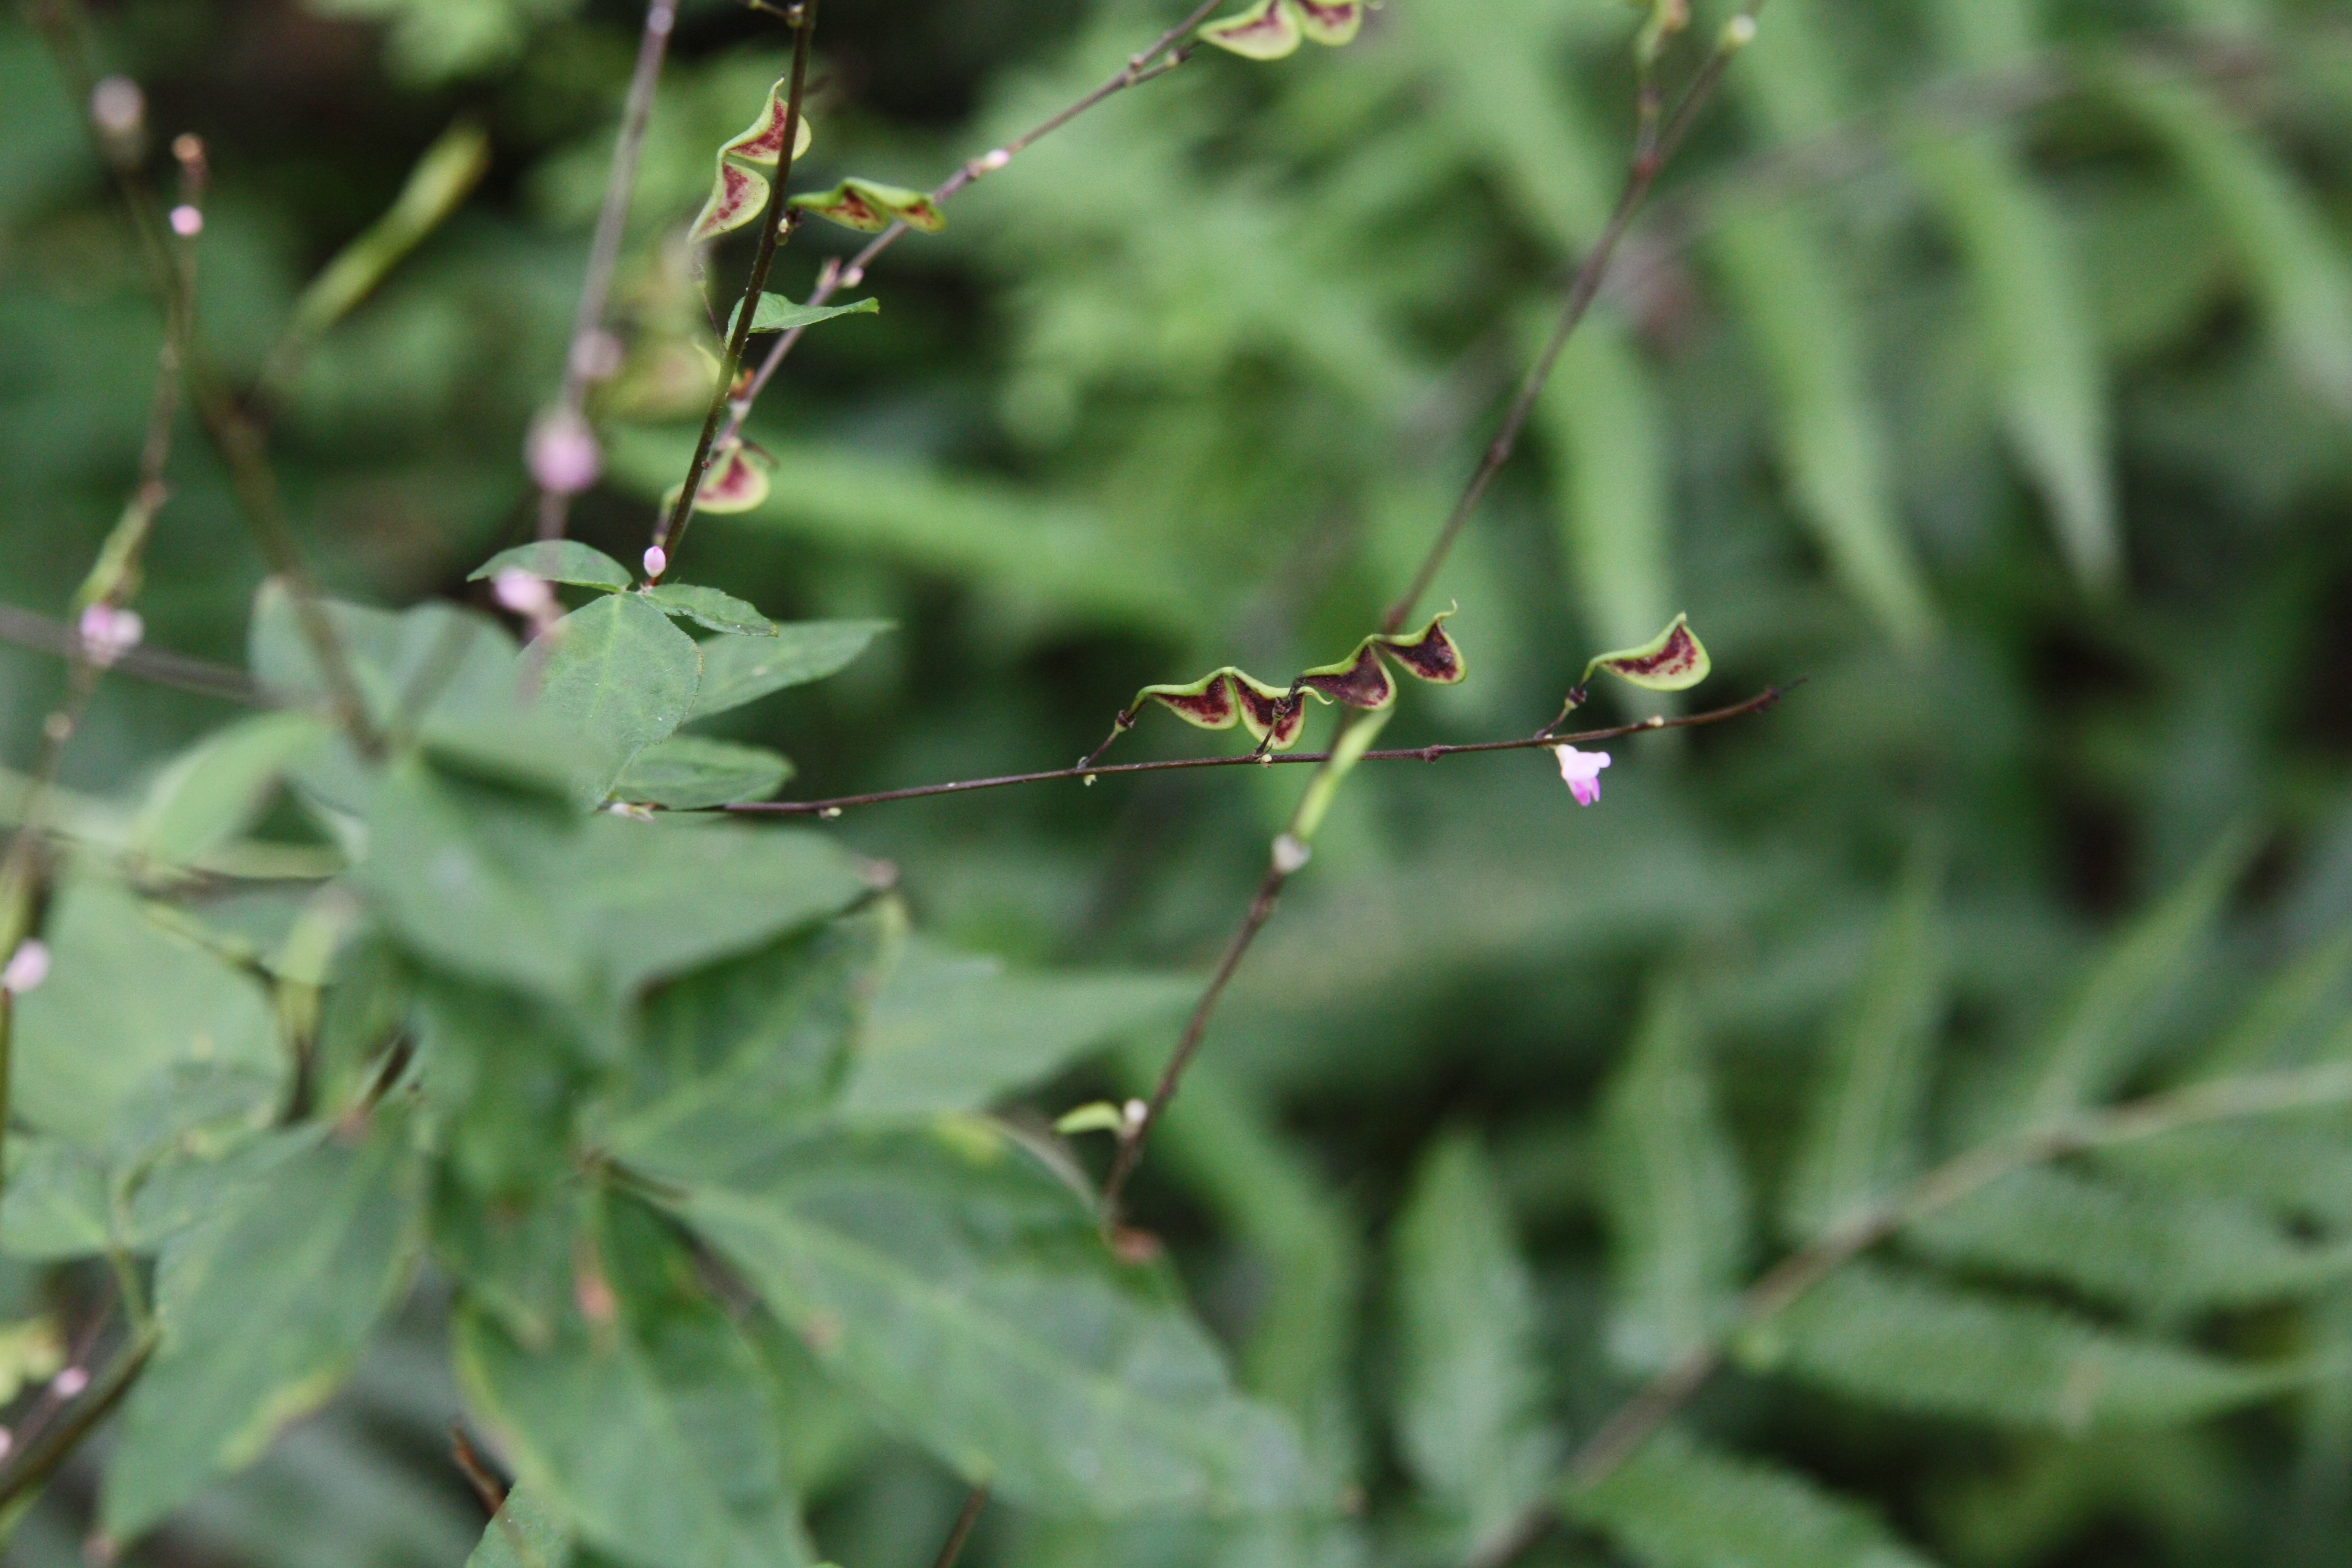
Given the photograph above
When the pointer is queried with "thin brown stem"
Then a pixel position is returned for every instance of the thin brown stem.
(39, 1460)
(1164, 53)
(604, 249)
(960, 1531)
(26, 628)
(1788, 1281)
(775, 224)
(838, 804)
(1653, 149)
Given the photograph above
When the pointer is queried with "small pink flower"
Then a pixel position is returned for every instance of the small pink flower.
(106, 633)
(656, 563)
(68, 1383)
(1582, 773)
(524, 592)
(27, 967)
(562, 452)
(188, 221)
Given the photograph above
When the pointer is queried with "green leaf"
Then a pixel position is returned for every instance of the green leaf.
(1676, 1504)
(736, 673)
(1609, 476)
(1779, 276)
(558, 561)
(1470, 1383)
(126, 1004)
(965, 1288)
(617, 671)
(952, 1032)
(2294, 263)
(2164, 1255)
(213, 790)
(721, 612)
(2097, 1038)
(1671, 1190)
(2053, 390)
(525, 1534)
(2298, 1011)
(1888, 1339)
(648, 1428)
(56, 1204)
(2295, 1168)
(778, 314)
(1095, 1116)
(311, 1260)
(1861, 1128)
(690, 773)
(738, 1059)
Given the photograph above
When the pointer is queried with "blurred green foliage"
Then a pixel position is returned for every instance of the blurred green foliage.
(1988, 364)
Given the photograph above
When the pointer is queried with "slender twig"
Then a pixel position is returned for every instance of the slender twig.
(775, 224)
(1164, 53)
(44, 634)
(1653, 148)
(960, 1531)
(580, 360)
(231, 432)
(1786, 1282)
(838, 804)
(39, 1460)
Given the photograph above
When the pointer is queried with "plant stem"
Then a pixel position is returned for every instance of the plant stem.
(1786, 1282)
(670, 532)
(1141, 67)
(1754, 704)
(1651, 151)
(26, 628)
(604, 248)
(960, 1531)
(41, 1458)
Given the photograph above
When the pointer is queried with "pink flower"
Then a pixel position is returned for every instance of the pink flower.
(1582, 773)
(188, 221)
(27, 967)
(524, 592)
(106, 633)
(656, 563)
(562, 452)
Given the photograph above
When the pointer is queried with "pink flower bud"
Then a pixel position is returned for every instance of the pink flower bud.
(27, 967)
(562, 452)
(1582, 773)
(106, 633)
(117, 106)
(597, 356)
(186, 221)
(68, 1383)
(656, 563)
(524, 592)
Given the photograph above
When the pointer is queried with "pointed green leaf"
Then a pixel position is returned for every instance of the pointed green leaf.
(1470, 1375)
(316, 1254)
(649, 1430)
(1676, 1504)
(690, 772)
(557, 561)
(719, 612)
(2165, 1254)
(2098, 1037)
(1095, 1116)
(2298, 1011)
(955, 1032)
(966, 1288)
(617, 671)
(1892, 1339)
(1861, 1136)
(2294, 263)
(214, 790)
(778, 314)
(1781, 279)
(1672, 1191)
(2053, 389)
(735, 672)
(525, 1534)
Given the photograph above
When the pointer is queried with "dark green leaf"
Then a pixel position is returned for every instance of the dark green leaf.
(778, 314)
(734, 673)
(618, 672)
(710, 607)
(558, 561)
(316, 1253)
(690, 773)
(965, 1288)
(525, 1534)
